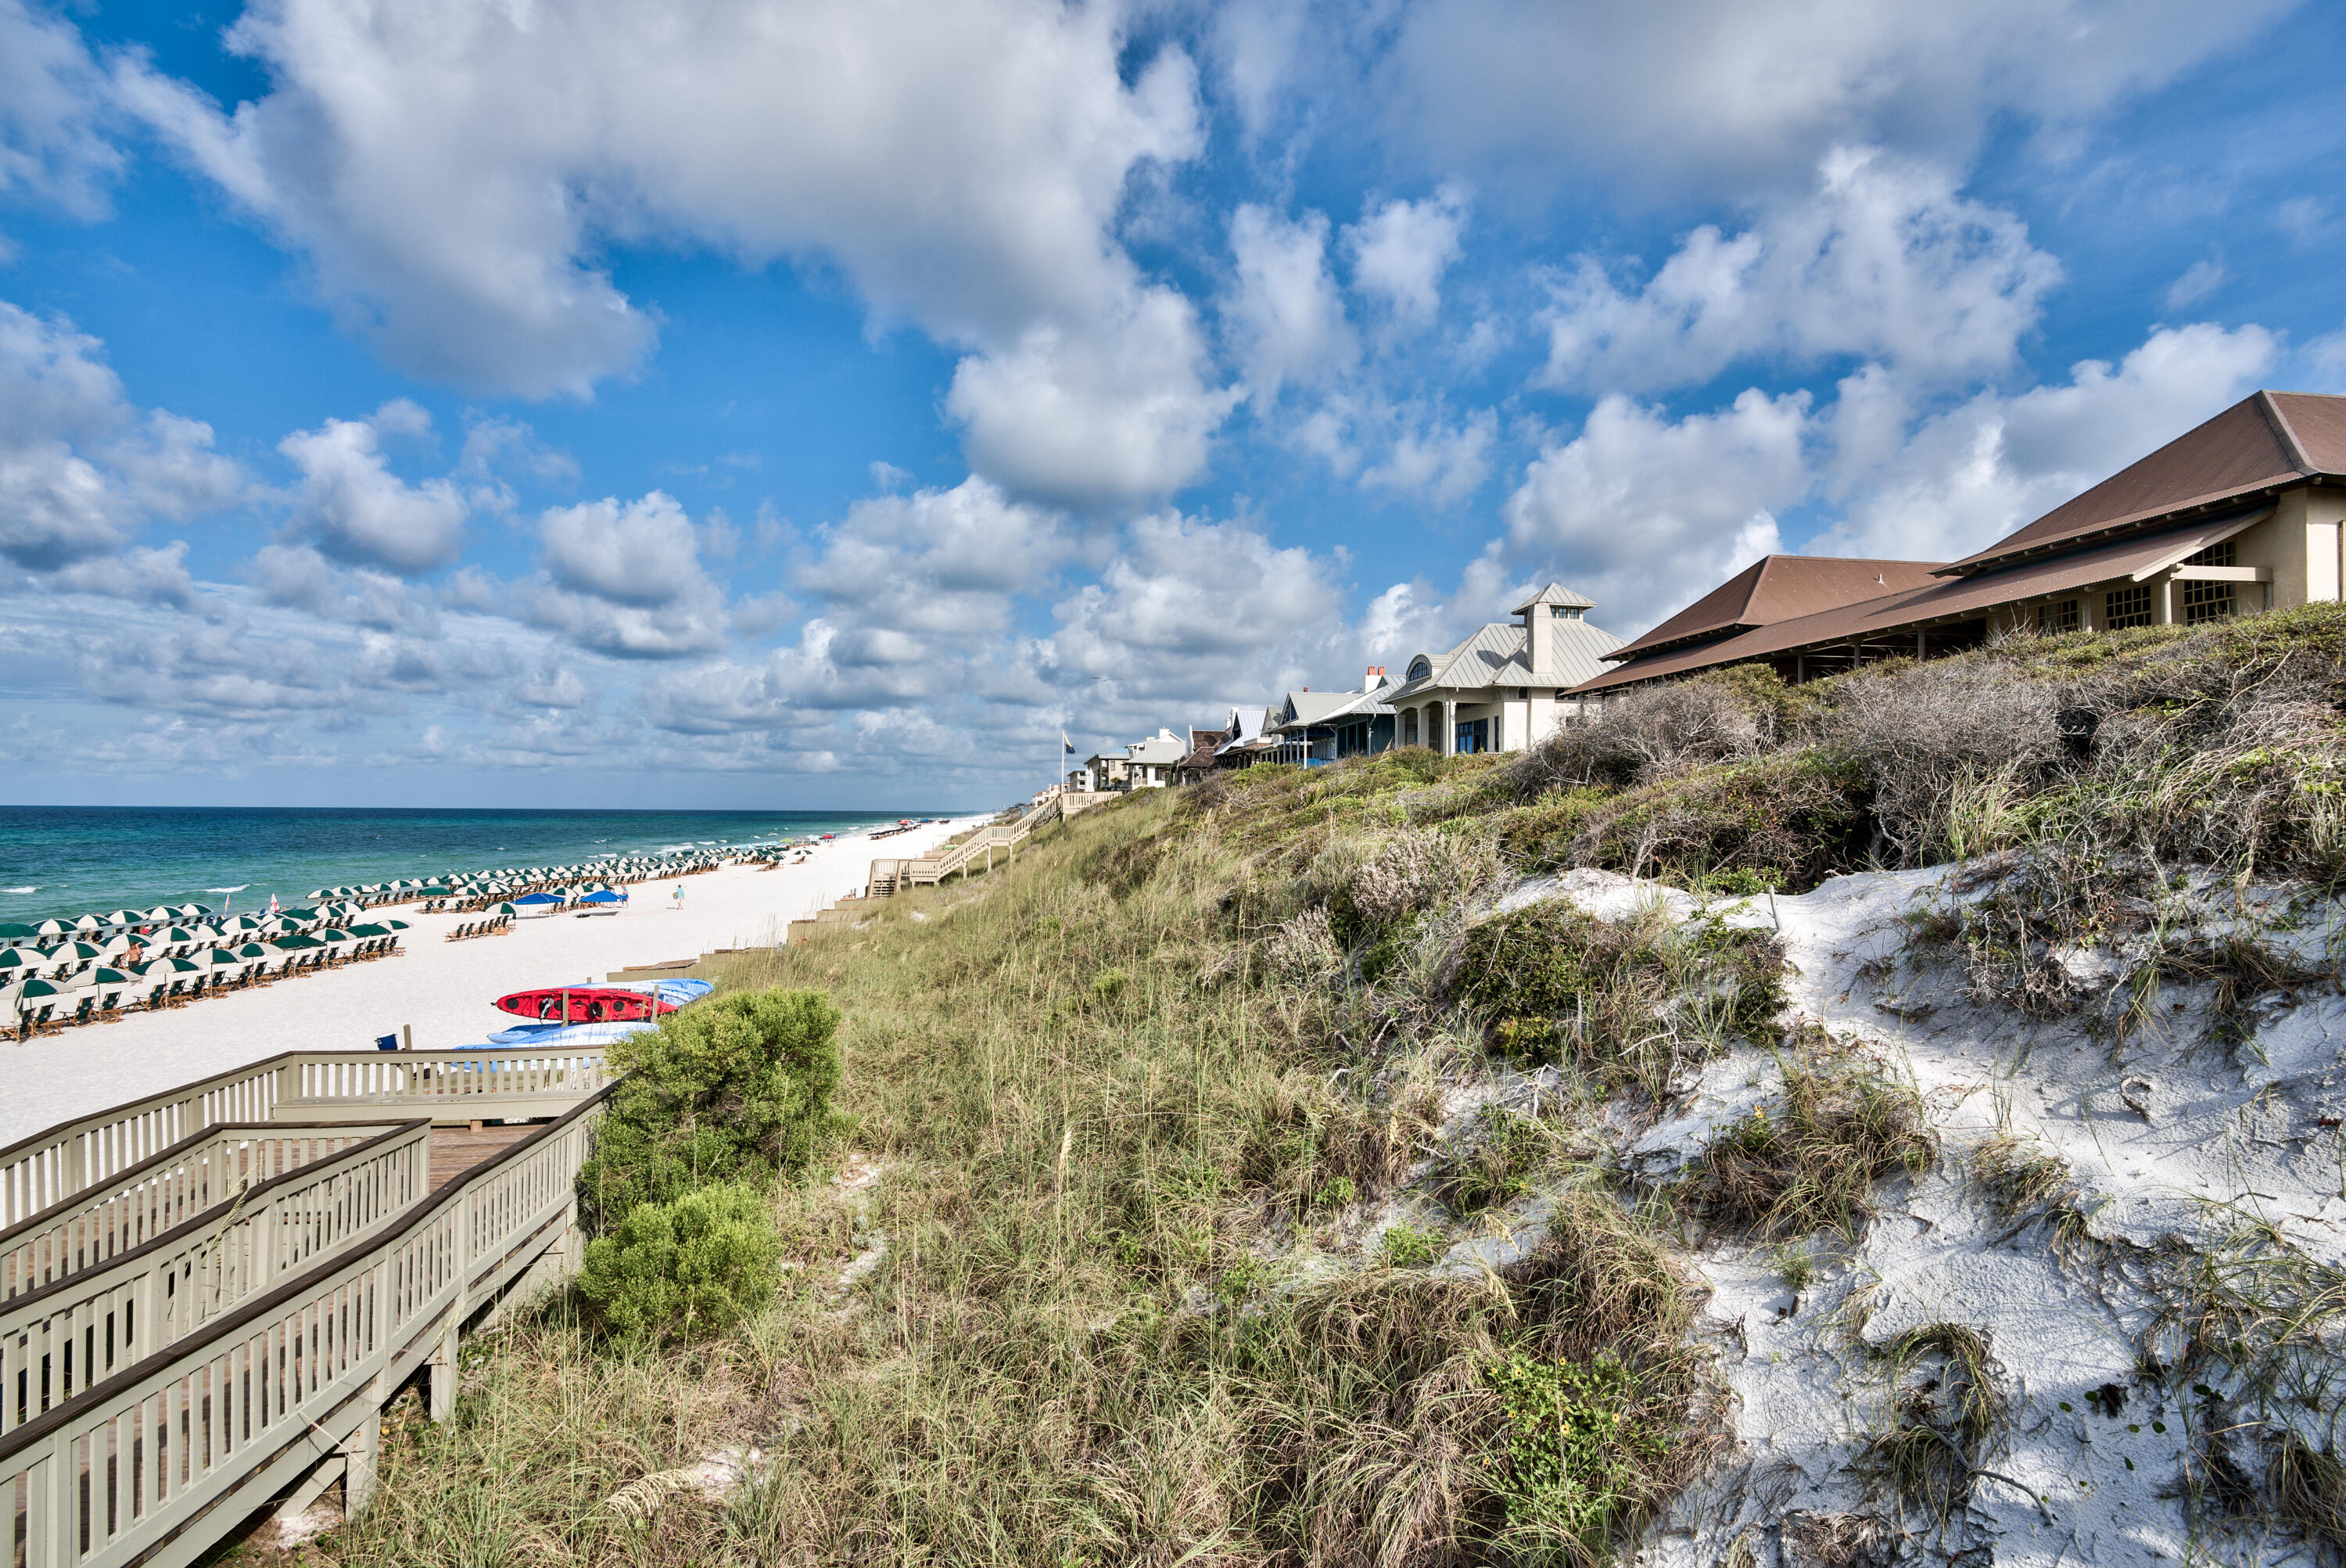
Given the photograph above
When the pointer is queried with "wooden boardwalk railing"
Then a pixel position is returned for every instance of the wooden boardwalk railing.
(889, 877)
(140, 1204)
(265, 1367)
(62, 1338)
(45, 1170)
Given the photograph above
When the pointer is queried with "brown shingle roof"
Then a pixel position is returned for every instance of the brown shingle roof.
(2267, 439)
(1945, 599)
(1779, 588)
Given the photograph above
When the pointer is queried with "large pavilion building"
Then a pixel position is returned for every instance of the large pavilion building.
(2240, 516)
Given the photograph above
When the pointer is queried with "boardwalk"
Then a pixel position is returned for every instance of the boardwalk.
(207, 1297)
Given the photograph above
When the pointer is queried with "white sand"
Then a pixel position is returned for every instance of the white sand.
(443, 990)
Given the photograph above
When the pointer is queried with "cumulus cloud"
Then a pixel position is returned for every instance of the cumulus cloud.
(51, 145)
(1111, 411)
(358, 511)
(626, 579)
(455, 173)
(1637, 507)
(1440, 464)
(1284, 316)
(1714, 99)
(1885, 260)
(81, 471)
(1400, 250)
(1189, 612)
(1958, 480)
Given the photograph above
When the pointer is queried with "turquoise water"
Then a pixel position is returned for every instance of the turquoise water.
(70, 860)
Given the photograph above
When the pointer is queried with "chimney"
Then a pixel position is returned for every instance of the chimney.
(1539, 622)
(1374, 679)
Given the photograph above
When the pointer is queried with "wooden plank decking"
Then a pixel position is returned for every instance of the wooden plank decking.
(455, 1150)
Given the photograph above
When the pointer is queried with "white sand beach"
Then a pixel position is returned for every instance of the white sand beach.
(442, 989)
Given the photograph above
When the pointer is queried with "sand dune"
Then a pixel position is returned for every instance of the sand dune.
(441, 989)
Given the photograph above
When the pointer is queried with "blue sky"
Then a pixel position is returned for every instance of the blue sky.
(582, 402)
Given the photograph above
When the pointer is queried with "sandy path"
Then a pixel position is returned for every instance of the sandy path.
(442, 989)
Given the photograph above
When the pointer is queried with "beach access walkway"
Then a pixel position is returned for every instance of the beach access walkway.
(207, 1297)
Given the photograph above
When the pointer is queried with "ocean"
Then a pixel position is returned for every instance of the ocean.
(64, 860)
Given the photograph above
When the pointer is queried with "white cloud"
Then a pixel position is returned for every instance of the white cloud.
(51, 103)
(1442, 465)
(1712, 97)
(1255, 43)
(1285, 318)
(642, 553)
(358, 511)
(1956, 482)
(2198, 280)
(1885, 260)
(1640, 511)
(1113, 413)
(455, 173)
(1189, 612)
(80, 470)
(1399, 251)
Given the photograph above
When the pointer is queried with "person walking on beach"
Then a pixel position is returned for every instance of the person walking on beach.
(679, 898)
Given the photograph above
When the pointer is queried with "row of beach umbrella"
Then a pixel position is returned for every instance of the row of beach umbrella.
(75, 981)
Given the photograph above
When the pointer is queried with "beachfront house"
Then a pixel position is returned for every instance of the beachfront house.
(2242, 514)
(1199, 761)
(1506, 686)
(1143, 764)
(1312, 727)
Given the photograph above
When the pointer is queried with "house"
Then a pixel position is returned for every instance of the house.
(1312, 727)
(1506, 686)
(1143, 764)
(1203, 744)
(2242, 514)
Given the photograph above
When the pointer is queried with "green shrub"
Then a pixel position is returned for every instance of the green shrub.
(1575, 1452)
(1405, 1245)
(735, 1088)
(684, 1270)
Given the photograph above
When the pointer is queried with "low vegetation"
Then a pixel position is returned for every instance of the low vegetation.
(1125, 1205)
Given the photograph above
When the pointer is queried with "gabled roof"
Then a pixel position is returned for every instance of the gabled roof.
(1946, 599)
(2266, 442)
(1495, 656)
(1779, 588)
(1310, 707)
(1158, 749)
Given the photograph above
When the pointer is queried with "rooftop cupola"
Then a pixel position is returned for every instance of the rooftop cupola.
(1540, 612)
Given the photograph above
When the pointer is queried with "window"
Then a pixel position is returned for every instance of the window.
(1473, 736)
(2208, 601)
(2213, 556)
(2124, 607)
(1565, 612)
(2054, 619)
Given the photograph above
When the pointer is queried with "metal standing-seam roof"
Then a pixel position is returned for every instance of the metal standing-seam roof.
(1495, 656)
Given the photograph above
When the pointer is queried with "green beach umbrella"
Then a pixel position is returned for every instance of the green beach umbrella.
(42, 988)
(17, 958)
(104, 977)
(370, 930)
(52, 928)
(252, 950)
(396, 924)
(17, 930)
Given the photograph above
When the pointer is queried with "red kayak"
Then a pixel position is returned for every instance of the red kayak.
(583, 1005)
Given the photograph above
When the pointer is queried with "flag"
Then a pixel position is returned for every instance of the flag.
(1066, 744)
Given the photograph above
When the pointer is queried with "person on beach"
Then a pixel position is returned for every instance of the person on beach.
(679, 898)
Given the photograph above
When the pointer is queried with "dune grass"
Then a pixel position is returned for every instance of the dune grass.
(1105, 1133)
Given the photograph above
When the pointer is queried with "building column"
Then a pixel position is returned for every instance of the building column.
(2162, 601)
(1450, 726)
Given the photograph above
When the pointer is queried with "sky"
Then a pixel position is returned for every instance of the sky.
(830, 403)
